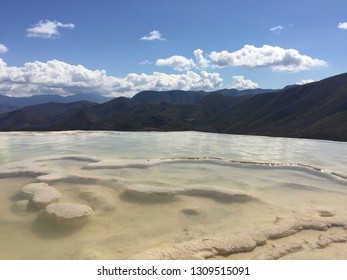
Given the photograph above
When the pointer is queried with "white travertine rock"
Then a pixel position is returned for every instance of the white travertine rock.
(66, 177)
(30, 189)
(325, 240)
(40, 166)
(218, 193)
(221, 194)
(279, 251)
(145, 192)
(54, 176)
(259, 236)
(40, 194)
(67, 214)
(202, 249)
(282, 228)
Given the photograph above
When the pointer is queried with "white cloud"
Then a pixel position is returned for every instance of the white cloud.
(240, 83)
(342, 25)
(188, 81)
(279, 28)
(304, 82)
(276, 28)
(145, 62)
(278, 59)
(152, 36)
(201, 61)
(57, 77)
(179, 63)
(47, 29)
(3, 49)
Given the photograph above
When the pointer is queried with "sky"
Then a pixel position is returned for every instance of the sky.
(118, 48)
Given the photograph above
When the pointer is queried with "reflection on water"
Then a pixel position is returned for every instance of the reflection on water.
(154, 191)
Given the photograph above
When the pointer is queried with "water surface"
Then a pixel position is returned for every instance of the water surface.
(278, 176)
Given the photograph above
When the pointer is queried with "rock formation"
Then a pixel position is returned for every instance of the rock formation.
(206, 248)
(67, 214)
(161, 193)
(40, 194)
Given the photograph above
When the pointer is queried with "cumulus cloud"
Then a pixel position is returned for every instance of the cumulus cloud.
(278, 59)
(3, 49)
(201, 61)
(57, 77)
(240, 83)
(187, 81)
(304, 82)
(179, 63)
(153, 36)
(342, 25)
(47, 29)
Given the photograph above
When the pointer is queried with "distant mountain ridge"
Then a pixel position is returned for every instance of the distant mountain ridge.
(179, 97)
(8, 104)
(316, 110)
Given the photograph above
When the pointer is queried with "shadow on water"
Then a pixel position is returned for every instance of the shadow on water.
(23, 207)
(17, 197)
(48, 230)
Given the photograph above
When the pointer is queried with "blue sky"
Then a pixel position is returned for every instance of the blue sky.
(122, 47)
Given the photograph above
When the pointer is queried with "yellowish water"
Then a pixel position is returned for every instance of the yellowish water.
(96, 168)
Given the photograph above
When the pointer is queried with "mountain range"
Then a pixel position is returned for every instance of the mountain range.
(316, 110)
(9, 104)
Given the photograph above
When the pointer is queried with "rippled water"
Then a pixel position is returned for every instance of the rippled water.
(269, 178)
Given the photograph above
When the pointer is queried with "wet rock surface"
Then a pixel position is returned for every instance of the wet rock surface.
(279, 251)
(67, 214)
(147, 193)
(215, 193)
(207, 248)
(40, 194)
